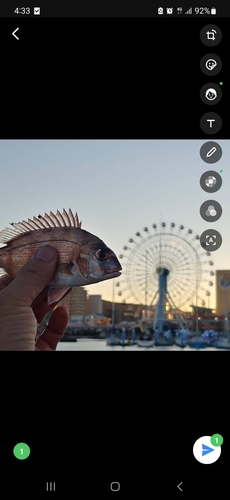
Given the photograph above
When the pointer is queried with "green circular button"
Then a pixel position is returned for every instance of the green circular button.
(217, 440)
(21, 451)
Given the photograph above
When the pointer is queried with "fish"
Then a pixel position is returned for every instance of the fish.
(83, 258)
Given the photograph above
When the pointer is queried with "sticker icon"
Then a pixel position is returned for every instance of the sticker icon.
(207, 449)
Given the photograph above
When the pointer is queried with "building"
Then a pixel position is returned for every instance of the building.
(123, 311)
(95, 304)
(76, 302)
(222, 292)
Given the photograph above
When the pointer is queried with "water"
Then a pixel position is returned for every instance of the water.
(100, 345)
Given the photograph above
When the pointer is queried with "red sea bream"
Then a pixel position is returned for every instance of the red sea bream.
(83, 258)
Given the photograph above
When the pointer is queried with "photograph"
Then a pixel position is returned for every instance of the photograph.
(140, 231)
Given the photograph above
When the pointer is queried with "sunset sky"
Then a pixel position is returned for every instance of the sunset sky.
(117, 187)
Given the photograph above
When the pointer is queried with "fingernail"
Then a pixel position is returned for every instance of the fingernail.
(46, 253)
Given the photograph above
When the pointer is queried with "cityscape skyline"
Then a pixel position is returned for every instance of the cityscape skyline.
(117, 187)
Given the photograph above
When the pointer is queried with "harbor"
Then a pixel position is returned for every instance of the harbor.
(100, 345)
(162, 301)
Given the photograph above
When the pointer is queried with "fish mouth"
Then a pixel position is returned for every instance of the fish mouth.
(114, 271)
(113, 274)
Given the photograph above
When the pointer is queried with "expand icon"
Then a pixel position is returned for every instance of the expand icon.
(207, 449)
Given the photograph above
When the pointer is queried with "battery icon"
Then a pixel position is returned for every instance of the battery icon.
(213, 11)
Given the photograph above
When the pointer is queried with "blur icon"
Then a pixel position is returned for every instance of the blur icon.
(210, 181)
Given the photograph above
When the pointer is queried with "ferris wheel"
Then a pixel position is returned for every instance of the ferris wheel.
(165, 263)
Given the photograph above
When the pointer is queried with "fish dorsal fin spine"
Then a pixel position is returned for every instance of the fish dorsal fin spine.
(41, 222)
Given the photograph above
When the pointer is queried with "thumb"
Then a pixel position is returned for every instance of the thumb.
(33, 277)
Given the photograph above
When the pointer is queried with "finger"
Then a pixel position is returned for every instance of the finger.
(54, 331)
(41, 308)
(33, 277)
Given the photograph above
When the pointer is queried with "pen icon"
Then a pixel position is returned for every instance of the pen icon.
(211, 152)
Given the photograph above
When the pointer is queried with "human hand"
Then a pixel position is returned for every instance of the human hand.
(23, 304)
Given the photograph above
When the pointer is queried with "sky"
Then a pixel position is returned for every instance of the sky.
(117, 188)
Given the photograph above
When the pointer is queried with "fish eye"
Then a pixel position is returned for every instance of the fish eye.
(101, 254)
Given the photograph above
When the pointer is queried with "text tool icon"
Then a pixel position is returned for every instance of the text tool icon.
(204, 452)
(211, 123)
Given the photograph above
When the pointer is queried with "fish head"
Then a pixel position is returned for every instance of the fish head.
(96, 262)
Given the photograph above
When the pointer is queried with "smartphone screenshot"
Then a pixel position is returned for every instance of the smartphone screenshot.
(114, 151)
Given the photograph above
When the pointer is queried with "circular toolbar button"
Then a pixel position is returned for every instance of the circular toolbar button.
(211, 152)
(211, 35)
(204, 452)
(211, 64)
(210, 211)
(211, 181)
(210, 123)
(211, 240)
(210, 94)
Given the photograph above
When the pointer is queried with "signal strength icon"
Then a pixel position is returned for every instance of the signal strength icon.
(189, 11)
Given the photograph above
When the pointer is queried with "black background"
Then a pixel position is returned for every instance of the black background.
(108, 78)
(94, 79)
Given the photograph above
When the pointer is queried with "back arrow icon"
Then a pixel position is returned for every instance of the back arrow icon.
(15, 32)
(178, 486)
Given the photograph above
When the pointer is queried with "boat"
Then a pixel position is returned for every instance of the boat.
(113, 339)
(222, 343)
(197, 343)
(145, 340)
(164, 338)
(182, 337)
